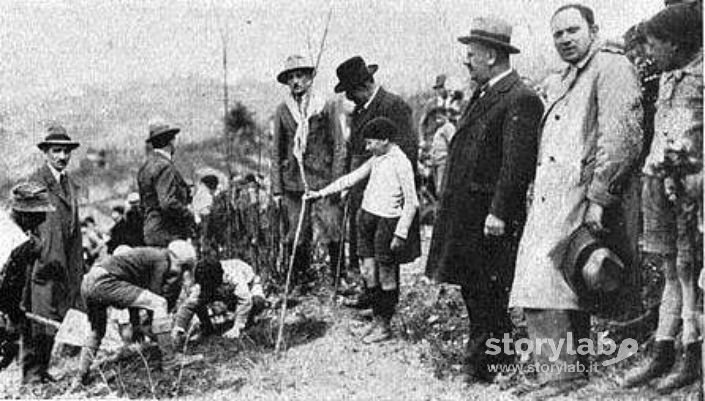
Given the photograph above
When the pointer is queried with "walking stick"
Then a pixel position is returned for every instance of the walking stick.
(297, 235)
(302, 212)
(341, 251)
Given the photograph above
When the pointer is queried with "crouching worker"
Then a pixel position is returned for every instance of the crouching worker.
(232, 282)
(147, 278)
(389, 205)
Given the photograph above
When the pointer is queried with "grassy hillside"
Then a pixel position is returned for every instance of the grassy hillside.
(116, 120)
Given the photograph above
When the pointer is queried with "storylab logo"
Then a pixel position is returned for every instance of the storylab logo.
(602, 346)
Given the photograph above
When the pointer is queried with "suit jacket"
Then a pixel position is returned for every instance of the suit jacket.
(392, 106)
(491, 162)
(164, 197)
(324, 158)
(57, 275)
(388, 105)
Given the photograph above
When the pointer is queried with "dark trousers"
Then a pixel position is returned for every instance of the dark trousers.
(487, 300)
(35, 351)
(384, 303)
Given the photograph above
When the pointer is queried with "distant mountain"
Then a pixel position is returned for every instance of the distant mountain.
(117, 119)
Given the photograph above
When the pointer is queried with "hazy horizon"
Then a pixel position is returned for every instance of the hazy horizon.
(61, 46)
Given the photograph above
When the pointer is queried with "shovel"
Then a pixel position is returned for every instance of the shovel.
(72, 330)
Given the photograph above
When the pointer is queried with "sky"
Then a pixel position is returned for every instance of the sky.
(61, 46)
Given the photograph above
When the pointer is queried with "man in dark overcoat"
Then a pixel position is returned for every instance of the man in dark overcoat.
(356, 80)
(307, 132)
(56, 278)
(490, 164)
(164, 194)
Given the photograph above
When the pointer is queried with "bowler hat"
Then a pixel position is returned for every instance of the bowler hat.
(57, 136)
(161, 130)
(30, 197)
(590, 268)
(353, 72)
(440, 81)
(380, 128)
(492, 32)
(294, 63)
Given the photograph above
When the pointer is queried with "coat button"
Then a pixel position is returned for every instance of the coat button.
(551, 159)
(557, 117)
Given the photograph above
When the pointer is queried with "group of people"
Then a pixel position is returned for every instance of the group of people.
(538, 204)
(149, 263)
(595, 152)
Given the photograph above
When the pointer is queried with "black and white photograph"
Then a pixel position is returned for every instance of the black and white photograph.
(430, 200)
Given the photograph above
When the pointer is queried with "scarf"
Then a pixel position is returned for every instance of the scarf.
(310, 106)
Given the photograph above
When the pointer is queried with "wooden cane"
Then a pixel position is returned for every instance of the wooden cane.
(297, 235)
(341, 251)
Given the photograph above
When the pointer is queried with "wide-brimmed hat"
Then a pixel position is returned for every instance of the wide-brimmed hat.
(294, 63)
(57, 136)
(161, 130)
(590, 268)
(30, 197)
(440, 81)
(492, 32)
(353, 72)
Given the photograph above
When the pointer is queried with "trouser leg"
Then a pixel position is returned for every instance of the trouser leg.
(671, 301)
(35, 349)
(550, 327)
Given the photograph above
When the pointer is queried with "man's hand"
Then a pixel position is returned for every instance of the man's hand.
(277, 199)
(494, 226)
(593, 217)
(397, 243)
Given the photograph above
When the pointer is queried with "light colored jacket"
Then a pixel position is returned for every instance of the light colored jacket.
(590, 139)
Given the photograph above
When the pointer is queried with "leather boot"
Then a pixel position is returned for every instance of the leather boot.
(687, 373)
(661, 362)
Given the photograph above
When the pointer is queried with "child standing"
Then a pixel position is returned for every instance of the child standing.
(389, 205)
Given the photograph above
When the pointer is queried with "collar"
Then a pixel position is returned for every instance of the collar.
(493, 81)
(594, 49)
(55, 173)
(374, 94)
(163, 153)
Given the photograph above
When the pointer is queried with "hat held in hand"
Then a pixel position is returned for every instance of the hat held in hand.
(591, 269)
(30, 197)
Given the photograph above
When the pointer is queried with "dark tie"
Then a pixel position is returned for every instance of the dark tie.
(64, 182)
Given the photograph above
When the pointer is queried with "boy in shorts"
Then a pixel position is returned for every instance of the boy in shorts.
(388, 208)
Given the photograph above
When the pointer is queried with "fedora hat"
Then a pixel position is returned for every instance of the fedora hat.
(440, 81)
(353, 72)
(161, 130)
(56, 136)
(294, 63)
(591, 269)
(30, 197)
(492, 32)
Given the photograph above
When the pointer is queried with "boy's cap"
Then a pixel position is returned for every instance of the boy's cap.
(380, 128)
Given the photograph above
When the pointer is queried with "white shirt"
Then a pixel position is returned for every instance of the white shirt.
(56, 173)
(390, 191)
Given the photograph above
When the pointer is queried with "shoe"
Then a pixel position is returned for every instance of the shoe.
(663, 358)
(382, 331)
(687, 373)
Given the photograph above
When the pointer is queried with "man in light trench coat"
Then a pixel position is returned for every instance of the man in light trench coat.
(590, 140)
